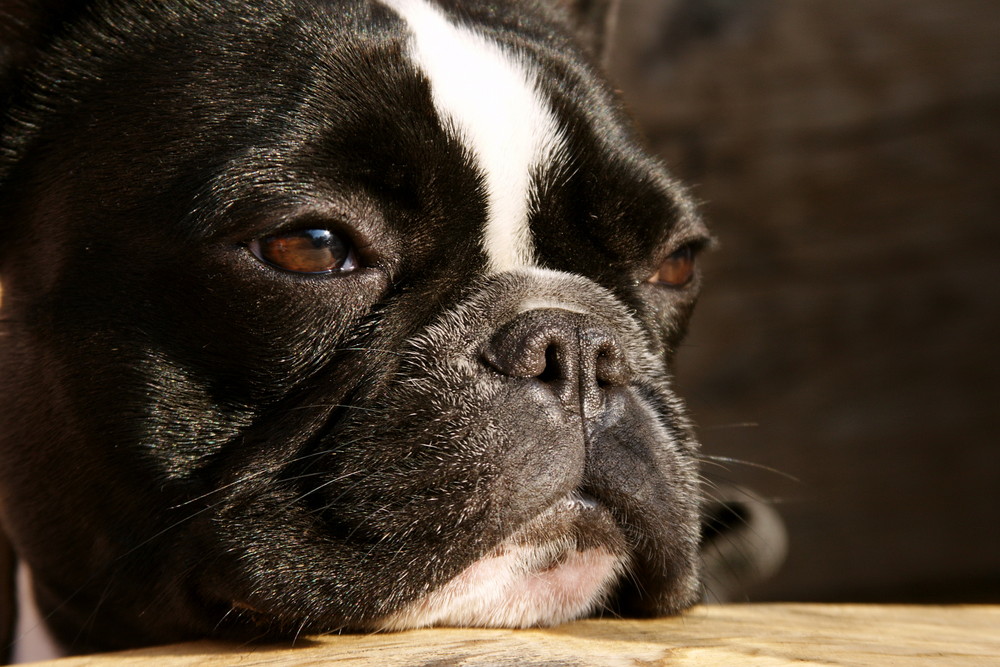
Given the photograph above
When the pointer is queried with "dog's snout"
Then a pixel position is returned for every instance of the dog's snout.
(574, 354)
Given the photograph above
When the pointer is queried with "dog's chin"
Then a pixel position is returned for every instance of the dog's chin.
(559, 567)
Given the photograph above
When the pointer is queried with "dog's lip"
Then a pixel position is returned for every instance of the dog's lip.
(558, 566)
(577, 516)
(572, 550)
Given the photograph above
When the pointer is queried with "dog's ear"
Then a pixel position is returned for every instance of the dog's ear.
(594, 22)
(8, 597)
(743, 542)
(25, 26)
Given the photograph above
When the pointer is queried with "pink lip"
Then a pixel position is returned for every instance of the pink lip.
(522, 587)
(523, 582)
(579, 578)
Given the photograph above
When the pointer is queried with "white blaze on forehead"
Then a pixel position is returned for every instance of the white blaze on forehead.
(492, 102)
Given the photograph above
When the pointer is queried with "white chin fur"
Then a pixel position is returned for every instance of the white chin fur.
(517, 586)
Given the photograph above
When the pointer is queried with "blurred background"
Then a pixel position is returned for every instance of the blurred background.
(847, 155)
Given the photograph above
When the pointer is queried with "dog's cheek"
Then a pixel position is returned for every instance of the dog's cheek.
(643, 467)
(665, 314)
(447, 452)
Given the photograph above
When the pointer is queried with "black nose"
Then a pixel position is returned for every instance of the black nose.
(576, 355)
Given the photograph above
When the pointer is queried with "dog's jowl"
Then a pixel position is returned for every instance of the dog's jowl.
(335, 314)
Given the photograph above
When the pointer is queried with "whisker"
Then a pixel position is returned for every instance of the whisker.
(246, 478)
(381, 350)
(229, 612)
(301, 628)
(719, 460)
(721, 427)
(322, 486)
(338, 405)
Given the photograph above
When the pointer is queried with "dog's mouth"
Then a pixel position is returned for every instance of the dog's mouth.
(560, 566)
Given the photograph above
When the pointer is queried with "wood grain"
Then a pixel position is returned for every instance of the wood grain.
(771, 634)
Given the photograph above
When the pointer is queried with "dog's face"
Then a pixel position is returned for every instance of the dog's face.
(326, 315)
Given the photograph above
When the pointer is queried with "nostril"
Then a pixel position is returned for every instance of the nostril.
(601, 363)
(610, 367)
(531, 353)
(532, 346)
(553, 371)
(571, 353)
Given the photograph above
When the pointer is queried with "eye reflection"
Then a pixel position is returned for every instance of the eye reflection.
(306, 251)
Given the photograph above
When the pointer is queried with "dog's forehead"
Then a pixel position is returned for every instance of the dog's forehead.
(528, 123)
(499, 123)
(489, 98)
(481, 115)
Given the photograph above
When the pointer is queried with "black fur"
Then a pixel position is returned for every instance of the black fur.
(195, 444)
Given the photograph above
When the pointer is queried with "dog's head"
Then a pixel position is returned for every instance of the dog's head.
(336, 314)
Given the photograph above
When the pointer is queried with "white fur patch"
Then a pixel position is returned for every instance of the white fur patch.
(523, 583)
(547, 304)
(490, 99)
(517, 589)
(32, 639)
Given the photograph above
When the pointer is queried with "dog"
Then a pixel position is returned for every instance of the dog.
(337, 314)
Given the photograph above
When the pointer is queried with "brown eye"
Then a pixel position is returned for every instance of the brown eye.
(677, 269)
(306, 251)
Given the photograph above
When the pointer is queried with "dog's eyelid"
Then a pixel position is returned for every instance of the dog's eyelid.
(696, 243)
(291, 223)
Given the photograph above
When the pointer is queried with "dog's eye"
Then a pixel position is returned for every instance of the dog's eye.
(306, 251)
(677, 269)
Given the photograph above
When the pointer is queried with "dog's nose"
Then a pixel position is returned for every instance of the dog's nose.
(577, 356)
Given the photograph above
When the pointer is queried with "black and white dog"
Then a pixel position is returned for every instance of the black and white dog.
(336, 314)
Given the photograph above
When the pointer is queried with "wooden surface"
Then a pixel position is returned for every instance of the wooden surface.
(773, 634)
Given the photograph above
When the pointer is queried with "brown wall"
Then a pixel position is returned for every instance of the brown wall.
(847, 156)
